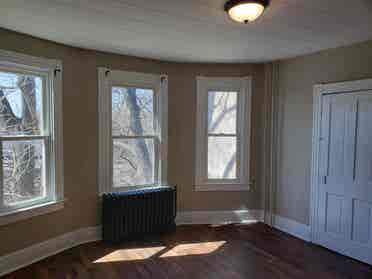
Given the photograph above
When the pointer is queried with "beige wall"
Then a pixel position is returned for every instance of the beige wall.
(81, 136)
(296, 78)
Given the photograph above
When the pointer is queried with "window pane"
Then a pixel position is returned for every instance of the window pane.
(23, 171)
(222, 157)
(133, 162)
(132, 111)
(20, 104)
(222, 112)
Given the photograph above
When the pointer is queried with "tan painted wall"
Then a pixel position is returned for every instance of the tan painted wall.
(80, 125)
(296, 78)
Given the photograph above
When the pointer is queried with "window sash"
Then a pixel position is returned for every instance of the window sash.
(135, 137)
(20, 138)
(156, 160)
(1, 179)
(115, 78)
(154, 136)
(237, 109)
(206, 179)
(47, 102)
(47, 126)
(237, 160)
(47, 181)
(222, 135)
(155, 101)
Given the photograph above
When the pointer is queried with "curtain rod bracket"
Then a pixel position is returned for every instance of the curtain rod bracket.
(56, 70)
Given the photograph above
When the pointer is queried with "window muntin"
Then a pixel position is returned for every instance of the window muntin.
(24, 139)
(134, 133)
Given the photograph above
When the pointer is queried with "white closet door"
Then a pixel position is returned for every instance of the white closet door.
(345, 180)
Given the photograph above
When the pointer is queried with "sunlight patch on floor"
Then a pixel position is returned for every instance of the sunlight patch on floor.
(123, 255)
(189, 249)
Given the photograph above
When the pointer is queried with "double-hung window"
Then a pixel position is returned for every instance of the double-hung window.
(30, 135)
(133, 130)
(223, 133)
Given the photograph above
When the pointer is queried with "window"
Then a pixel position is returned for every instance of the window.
(133, 130)
(30, 144)
(223, 133)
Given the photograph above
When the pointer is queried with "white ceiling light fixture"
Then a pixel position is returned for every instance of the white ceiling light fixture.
(245, 11)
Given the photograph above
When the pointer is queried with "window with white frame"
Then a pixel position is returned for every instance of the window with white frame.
(30, 133)
(133, 130)
(223, 134)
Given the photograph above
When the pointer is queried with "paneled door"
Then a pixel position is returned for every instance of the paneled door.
(344, 217)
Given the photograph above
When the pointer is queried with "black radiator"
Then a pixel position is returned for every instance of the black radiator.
(137, 213)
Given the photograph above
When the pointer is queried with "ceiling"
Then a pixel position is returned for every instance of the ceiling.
(192, 30)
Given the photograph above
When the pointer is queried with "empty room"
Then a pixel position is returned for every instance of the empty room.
(186, 139)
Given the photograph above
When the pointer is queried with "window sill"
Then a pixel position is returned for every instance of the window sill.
(222, 187)
(29, 212)
(133, 188)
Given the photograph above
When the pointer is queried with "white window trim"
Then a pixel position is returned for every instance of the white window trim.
(106, 79)
(244, 87)
(52, 70)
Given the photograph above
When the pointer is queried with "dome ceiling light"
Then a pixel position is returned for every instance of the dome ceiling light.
(245, 11)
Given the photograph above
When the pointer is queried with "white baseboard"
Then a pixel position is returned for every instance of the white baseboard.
(40, 251)
(219, 217)
(292, 227)
(37, 252)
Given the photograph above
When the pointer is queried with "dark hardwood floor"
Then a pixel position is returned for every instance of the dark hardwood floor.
(231, 251)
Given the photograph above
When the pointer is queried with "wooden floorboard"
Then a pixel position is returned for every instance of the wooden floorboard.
(252, 251)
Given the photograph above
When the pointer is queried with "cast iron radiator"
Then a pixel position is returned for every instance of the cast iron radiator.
(137, 213)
